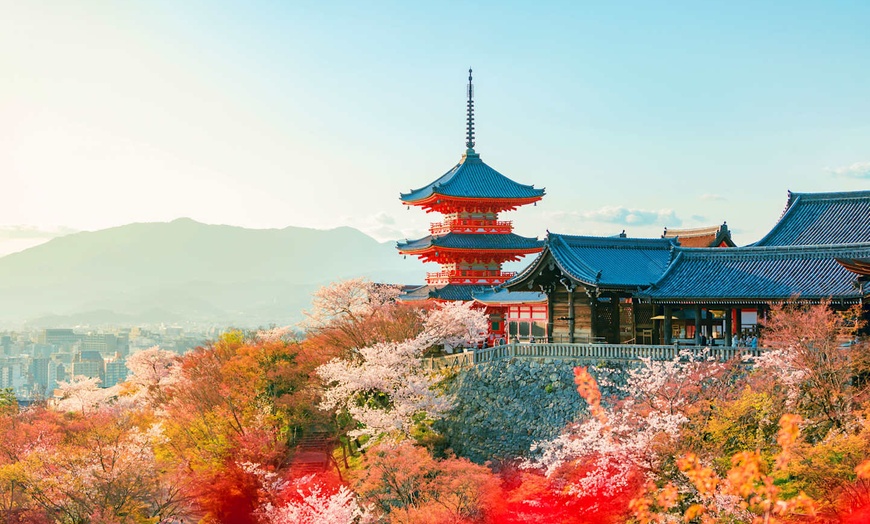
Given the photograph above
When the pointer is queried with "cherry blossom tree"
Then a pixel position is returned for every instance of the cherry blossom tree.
(153, 372)
(815, 356)
(384, 386)
(353, 313)
(82, 394)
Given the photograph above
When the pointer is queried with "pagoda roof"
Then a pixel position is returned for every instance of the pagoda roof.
(471, 178)
(822, 218)
(712, 236)
(615, 262)
(484, 294)
(759, 274)
(474, 241)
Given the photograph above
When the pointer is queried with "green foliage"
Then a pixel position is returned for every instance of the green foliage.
(8, 402)
(748, 423)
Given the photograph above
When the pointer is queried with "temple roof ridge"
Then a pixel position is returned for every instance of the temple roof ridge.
(593, 261)
(760, 273)
(614, 241)
(822, 218)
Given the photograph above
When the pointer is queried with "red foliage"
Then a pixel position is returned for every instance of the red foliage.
(529, 497)
(230, 495)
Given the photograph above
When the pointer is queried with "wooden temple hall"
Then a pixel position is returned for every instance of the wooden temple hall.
(656, 291)
(688, 286)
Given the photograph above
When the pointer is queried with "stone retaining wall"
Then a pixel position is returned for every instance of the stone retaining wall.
(503, 406)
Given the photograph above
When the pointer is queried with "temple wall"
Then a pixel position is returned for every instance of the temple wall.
(506, 405)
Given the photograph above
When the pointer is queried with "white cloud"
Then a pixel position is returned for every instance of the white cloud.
(856, 170)
(18, 232)
(631, 217)
(712, 197)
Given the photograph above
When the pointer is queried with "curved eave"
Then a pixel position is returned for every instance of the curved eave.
(534, 269)
(791, 205)
(437, 201)
(432, 248)
(589, 278)
(858, 266)
(529, 272)
(735, 301)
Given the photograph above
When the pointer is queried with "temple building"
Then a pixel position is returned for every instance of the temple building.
(622, 290)
(590, 282)
(714, 236)
(471, 243)
(811, 254)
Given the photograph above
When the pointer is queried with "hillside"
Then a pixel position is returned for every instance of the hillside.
(188, 270)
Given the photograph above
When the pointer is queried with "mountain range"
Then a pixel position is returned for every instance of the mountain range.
(187, 271)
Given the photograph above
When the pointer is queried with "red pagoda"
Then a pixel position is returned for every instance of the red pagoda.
(471, 243)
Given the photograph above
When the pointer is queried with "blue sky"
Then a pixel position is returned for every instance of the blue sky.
(634, 116)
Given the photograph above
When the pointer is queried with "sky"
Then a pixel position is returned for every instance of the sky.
(633, 115)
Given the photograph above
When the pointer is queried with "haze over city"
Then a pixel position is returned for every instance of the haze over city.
(267, 115)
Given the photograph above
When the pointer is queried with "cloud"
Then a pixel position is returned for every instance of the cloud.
(383, 218)
(30, 232)
(856, 170)
(699, 218)
(631, 217)
(712, 197)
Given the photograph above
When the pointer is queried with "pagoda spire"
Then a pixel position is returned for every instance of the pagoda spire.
(469, 136)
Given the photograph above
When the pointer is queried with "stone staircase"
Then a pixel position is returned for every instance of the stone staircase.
(313, 453)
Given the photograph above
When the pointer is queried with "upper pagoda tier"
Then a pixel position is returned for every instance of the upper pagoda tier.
(471, 243)
(472, 186)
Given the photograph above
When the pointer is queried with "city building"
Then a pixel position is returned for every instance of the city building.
(89, 364)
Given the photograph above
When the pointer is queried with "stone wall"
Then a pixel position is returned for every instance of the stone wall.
(504, 406)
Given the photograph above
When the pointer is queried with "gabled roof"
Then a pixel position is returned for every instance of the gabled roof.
(484, 294)
(822, 218)
(475, 241)
(759, 274)
(615, 262)
(448, 292)
(471, 178)
(712, 236)
(501, 296)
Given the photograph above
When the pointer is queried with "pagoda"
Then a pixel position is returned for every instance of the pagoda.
(471, 243)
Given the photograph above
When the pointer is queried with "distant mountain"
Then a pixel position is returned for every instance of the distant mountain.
(192, 271)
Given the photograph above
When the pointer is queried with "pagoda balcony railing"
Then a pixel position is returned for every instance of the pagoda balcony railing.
(469, 276)
(470, 225)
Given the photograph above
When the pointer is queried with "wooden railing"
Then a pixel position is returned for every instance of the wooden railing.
(580, 352)
(471, 226)
(470, 276)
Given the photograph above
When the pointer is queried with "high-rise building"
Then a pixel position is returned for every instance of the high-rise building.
(88, 364)
(59, 337)
(116, 372)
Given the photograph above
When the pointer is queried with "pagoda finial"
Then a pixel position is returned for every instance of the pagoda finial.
(469, 137)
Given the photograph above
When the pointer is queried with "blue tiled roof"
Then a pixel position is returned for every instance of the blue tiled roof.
(447, 292)
(472, 178)
(503, 296)
(744, 274)
(494, 241)
(822, 218)
(606, 261)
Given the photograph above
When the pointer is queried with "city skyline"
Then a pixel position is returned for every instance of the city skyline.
(283, 115)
